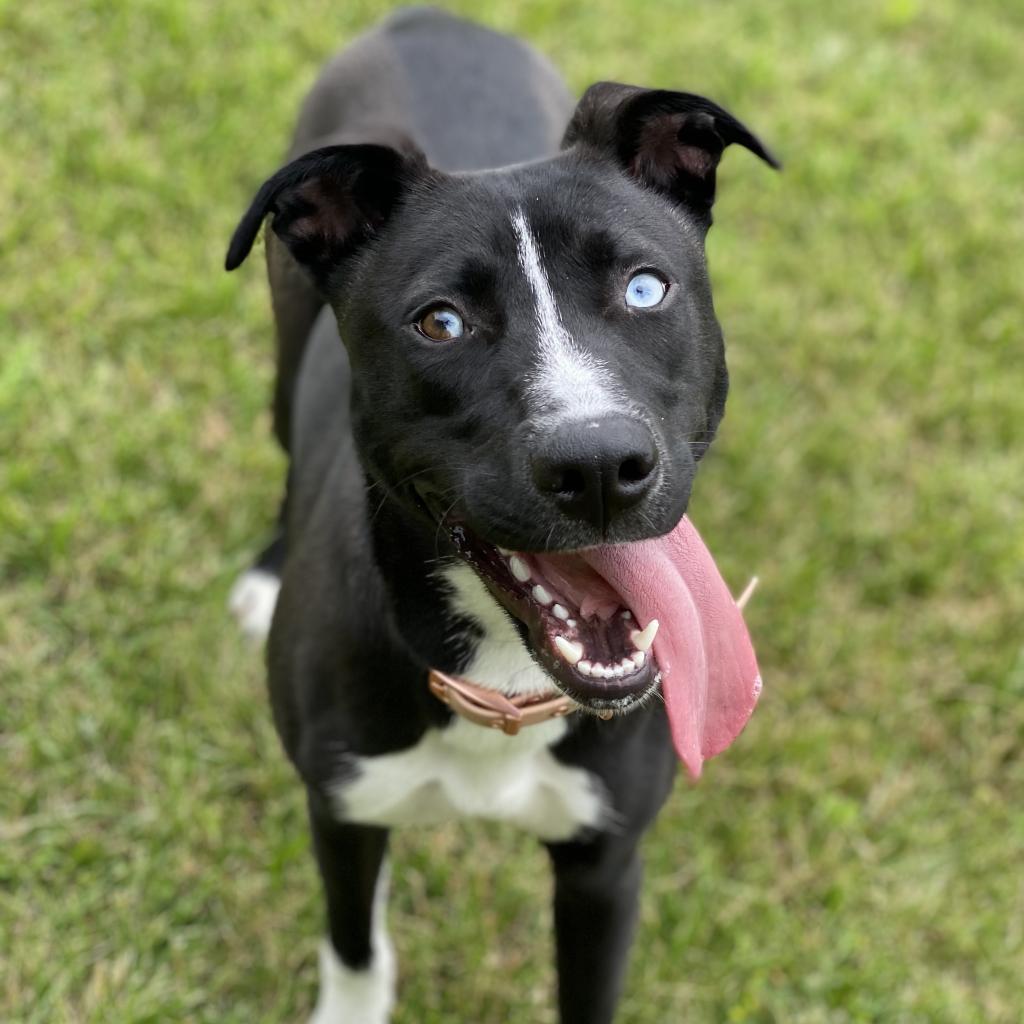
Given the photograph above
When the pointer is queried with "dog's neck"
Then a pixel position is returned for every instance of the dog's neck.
(443, 611)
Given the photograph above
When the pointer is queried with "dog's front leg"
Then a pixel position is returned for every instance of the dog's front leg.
(597, 884)
(357, 962)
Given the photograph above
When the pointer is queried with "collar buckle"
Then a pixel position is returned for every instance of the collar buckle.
(492, 709)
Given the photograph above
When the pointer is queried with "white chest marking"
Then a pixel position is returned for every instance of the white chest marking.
(568, 382)
(467, 771)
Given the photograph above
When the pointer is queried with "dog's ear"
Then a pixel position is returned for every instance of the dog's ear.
(669, 141)
(326, 202)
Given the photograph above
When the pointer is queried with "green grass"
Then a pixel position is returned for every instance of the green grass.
(857, 856)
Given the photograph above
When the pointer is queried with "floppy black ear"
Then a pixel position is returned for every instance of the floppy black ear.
(327, 202)
(671, 141)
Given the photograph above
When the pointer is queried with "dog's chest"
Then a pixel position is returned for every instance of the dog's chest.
(466, 771)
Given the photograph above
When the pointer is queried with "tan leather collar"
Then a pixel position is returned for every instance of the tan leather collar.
(492, 709)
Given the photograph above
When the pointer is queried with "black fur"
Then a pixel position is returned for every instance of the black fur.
(384, 212)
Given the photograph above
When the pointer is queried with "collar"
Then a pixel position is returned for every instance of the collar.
(492, 709)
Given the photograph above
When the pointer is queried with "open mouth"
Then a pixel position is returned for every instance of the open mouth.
(613, 622)
(581, 630)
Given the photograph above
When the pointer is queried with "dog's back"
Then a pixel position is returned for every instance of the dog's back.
(468, 97)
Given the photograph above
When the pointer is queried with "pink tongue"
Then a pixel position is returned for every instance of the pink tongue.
(709, 672)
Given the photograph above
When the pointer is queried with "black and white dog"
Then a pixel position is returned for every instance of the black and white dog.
(498, 368)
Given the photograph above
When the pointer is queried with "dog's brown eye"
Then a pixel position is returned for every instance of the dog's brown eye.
(441, 324)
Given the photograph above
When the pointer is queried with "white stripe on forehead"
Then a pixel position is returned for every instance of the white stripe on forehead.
(567, 380)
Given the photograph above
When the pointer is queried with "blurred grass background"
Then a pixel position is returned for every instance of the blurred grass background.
(857, 856)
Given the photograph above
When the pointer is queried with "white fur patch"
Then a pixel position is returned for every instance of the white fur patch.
(468, 771)
(568, 381)
(252, 602)
(349, 996)
(501, 661)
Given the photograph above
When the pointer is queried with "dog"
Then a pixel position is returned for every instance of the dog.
(498, 368)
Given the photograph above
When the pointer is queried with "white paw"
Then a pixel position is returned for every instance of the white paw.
(252, 602)
(348, 996)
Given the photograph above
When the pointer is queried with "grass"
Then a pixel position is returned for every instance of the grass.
(855, 857)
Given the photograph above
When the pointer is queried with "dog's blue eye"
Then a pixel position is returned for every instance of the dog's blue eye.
(645, 290)
(441, 324)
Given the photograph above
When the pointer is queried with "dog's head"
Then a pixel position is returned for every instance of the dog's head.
(535, 355)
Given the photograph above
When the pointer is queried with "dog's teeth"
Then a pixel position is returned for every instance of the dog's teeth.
(627, 614)
(618, 671)
(519, 568)
(572, 652)
(560, 612)
(541, 595)
(627, 665)
(585, 667)
(638, 659)
(599, 670)
(571, 623)
(642, 639)
(504, 551)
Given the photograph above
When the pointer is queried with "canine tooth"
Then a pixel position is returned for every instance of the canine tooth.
(585, 667)
(642, 639)
(567, 649)
(560, 612)
(541, 595)
(638, 659)
(519, 568)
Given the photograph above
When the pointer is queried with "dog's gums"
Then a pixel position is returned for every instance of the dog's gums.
(591, 647)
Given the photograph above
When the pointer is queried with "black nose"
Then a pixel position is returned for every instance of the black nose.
(596, 469)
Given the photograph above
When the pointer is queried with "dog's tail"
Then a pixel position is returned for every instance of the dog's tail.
(253, 597)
